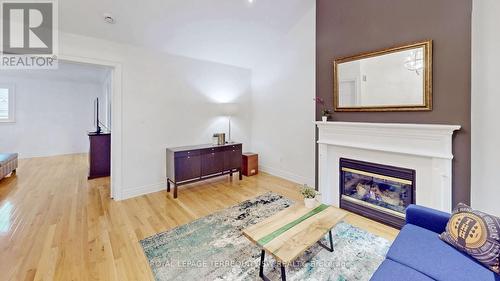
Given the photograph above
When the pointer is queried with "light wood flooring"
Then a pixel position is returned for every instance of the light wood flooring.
(56, 225)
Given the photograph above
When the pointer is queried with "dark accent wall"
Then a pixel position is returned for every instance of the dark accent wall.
(349, 27)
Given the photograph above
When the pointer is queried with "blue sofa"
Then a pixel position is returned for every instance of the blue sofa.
(418, 254)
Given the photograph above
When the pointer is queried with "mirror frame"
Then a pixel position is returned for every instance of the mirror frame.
(427, 106)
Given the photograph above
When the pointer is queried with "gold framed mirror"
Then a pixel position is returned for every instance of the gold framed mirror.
(394, 79)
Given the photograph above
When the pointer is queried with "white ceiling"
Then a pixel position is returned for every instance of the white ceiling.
(226, 31)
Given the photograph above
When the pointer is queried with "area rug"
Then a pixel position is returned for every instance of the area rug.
(213, 248)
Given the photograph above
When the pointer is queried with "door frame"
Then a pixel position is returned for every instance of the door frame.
(116, 179)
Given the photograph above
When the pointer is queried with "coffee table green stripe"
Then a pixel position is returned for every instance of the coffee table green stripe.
(268, 238)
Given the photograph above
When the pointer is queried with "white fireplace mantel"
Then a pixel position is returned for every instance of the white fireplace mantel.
(426, 148)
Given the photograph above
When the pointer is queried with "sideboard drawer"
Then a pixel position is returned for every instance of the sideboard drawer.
(233, 147)
(211, 150)
(187, 153)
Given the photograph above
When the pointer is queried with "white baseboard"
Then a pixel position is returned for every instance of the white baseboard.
(286, 175)
(142, 190)
(147, 189)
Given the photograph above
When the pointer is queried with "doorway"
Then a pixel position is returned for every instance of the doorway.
(113, 116)
(49, 112)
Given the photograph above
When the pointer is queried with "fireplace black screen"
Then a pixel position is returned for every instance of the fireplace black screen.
(376, 191)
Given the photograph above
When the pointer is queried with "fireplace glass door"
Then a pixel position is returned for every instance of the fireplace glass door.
(377, 191)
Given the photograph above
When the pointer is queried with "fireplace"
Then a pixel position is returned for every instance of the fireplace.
(376, 191)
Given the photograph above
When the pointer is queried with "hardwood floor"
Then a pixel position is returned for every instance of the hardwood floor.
(56, 225)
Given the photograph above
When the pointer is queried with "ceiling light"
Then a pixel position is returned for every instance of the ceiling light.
(108, 18)
(250, 1)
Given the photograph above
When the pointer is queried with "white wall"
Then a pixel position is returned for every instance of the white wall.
(53, 115)
(283, 86)
(485, 193)
(166, 101)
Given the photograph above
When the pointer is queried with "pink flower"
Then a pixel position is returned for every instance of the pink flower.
(319, 100)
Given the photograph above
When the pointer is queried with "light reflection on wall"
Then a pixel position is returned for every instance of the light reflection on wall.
(221, 96)
(215, 87)
(221, 86)
(215, 125)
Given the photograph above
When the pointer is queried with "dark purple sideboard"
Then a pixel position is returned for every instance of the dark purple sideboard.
(189, 164)
(99, 155)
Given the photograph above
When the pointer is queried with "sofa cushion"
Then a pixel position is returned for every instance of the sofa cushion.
(7, 157)
(422, 250)
(475, 233)
(393, 271)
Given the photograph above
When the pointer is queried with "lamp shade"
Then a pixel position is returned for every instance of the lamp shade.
(229, 109)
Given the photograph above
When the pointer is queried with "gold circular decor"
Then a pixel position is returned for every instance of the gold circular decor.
(468, 230)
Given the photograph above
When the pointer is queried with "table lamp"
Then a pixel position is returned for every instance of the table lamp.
(229, 110)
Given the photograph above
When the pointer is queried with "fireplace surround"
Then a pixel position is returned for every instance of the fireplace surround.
(376, 191)
(423, 148)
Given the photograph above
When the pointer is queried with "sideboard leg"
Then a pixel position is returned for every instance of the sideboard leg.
(168, 185)
(175, 190)
(241, 177)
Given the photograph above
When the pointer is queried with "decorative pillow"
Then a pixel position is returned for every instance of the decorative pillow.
(475, 233)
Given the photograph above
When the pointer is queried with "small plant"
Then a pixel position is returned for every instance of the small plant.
(308, 192)
(326, 112)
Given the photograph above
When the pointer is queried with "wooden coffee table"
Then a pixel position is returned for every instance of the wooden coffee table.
(289, 233)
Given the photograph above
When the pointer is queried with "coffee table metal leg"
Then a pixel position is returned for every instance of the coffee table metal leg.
(261, 268)
(331, 242)
(283, 273)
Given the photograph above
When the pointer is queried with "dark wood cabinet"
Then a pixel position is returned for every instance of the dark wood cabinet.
(194, 163)
(250, 164)
(99, 155)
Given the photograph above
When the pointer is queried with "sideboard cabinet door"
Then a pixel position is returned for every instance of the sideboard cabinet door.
(187, 168)
(232, 158)
(211, 163)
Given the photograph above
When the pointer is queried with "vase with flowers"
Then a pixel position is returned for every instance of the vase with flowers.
(325, 112)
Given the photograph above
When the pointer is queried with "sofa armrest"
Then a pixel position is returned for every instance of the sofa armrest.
(427, 218)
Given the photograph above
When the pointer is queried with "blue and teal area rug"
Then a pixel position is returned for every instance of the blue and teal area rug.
(213, 248)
